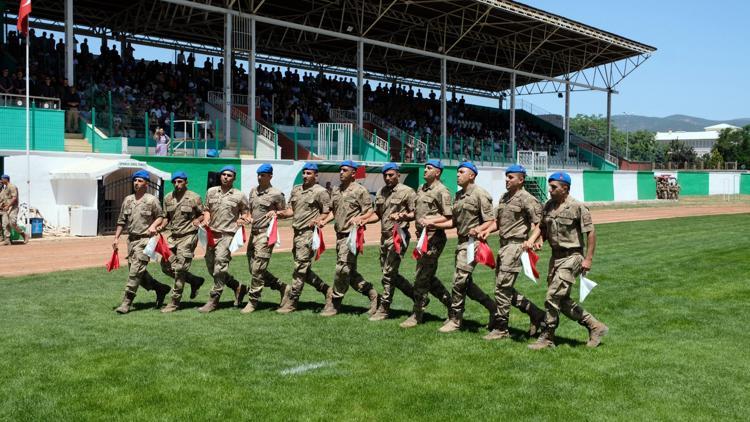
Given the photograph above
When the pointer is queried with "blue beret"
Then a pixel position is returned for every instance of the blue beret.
(265, 168)
(212, 153)
(560, 176)
(228, 168)
(141, 174)
(310, 166)
(179, 175)
(390, 166)
(6, 177)
(349, 163)
(469, 165)
(515, 168)
(435, 163)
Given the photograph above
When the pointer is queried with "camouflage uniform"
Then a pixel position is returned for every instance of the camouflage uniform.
(351, 202)
(258, 250)
(471, 208)
(136, 216)
(564, 229)
(431, 200)
(225, 209)
(514, 216)
(308, 205)
(400, 198)
(182, 236)
(9, 218)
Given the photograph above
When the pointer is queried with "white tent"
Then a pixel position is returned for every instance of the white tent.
(94, 168)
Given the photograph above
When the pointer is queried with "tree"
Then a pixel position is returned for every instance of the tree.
(734, 145)
(643, 146)
(678, 152)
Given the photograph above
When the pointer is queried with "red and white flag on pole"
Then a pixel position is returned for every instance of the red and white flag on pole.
(114, 261)
(273, 232)
(421, 247)
(238, 240)
(24, 10)
(318, 245)
(484, 255)
(399, 239)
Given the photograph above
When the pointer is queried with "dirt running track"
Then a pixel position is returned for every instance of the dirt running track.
(56, 254)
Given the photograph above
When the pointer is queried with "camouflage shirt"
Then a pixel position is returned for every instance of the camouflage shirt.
(351, 202)
(515, 214)
(472, 207)
(262, 201)
(137, 216)
(308, 204)
(181, 213)
(564, 227)
(225, 209)
(400, 198)
(9, 192)
(432, 200)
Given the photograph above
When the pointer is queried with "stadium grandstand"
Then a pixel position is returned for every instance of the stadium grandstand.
(329, 80)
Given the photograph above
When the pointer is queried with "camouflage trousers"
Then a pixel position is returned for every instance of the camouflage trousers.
(258, 257)
(217, 262)
(390, 262)
(9, 219)
(425, 281)
(303, 258)
(346, 270)
(560, 280)
(506, 273)
(138, 274)
(178, 265)
(463, 283)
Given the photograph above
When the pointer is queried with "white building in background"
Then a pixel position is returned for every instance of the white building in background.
(702, 142)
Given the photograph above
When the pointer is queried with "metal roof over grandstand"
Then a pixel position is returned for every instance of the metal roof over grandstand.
(482, 41)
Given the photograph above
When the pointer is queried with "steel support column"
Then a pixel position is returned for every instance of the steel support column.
(227, 77)
(567, 122)
(360, 84)
(69, 43)
(444, 107)
(251, 74)
(609, 122)
(512, 129)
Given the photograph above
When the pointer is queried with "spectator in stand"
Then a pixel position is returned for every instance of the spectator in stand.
(6, 83)
(70, 104)
(162, 142)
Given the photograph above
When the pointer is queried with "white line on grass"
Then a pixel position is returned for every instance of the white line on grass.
(296, 370)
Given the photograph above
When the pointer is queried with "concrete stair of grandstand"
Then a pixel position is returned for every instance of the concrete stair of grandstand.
(75, 142)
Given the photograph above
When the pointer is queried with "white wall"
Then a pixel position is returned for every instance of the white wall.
(723, 183)
(284, 173)
(626, 186)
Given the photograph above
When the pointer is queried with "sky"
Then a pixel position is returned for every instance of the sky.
(700, 67)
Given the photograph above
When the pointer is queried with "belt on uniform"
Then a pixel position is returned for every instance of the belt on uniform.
(341, 235)
(137, 236)
(179, 235)
(504, 242)
(462, 239)
(564, 253)
(302, 230)
(258, 231)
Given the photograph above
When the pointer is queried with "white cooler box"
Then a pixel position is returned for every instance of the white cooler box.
(83, 221)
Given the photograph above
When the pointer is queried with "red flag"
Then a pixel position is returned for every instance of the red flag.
(321, 244)
(397, 239)
(361, 172)
(421, 247)
(533, 258)
(484, 255)
(273, 231)
(24, 10)
(114, 261)
(210, 237)
(360, 240)
(162, 248)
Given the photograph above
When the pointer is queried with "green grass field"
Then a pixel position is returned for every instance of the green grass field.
(673, 292)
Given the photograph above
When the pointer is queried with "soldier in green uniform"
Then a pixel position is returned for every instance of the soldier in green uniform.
(351, 208)
(517, 213)
(224, 212)
(472, 214)
(9, 210)
(565, 222)
(265, 202)
(394, 204)
(141, 216)
(182, 214)
(432, 206)
(309, 205)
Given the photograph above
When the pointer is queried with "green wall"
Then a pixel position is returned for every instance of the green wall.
(47, 129)
(598, 185)
(196, 168)
(646, 185)
(693, 183)
(745, 184)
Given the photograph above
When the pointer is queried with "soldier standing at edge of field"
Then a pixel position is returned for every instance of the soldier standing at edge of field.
(351, 207)
(9, 210)
(182, 214)
(433, 205)
(394, 204)
(564, 223)
(224, 213)
(516, 215)
(472, 214)
(141, 214)
(265, 202)
(309, 204)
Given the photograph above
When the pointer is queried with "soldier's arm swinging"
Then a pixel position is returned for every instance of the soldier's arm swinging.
(590, 247)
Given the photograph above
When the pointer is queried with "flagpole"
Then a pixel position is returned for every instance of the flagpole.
(28, 136)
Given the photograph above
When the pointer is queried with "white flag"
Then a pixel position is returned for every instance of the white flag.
(402, 235)
(526, 262)
(315, 240)
(150, 249)
(272, 233)
(470, 251)
(586, 287)
(352, 240)
(202, 237)
(238, 240)
(421, 240)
